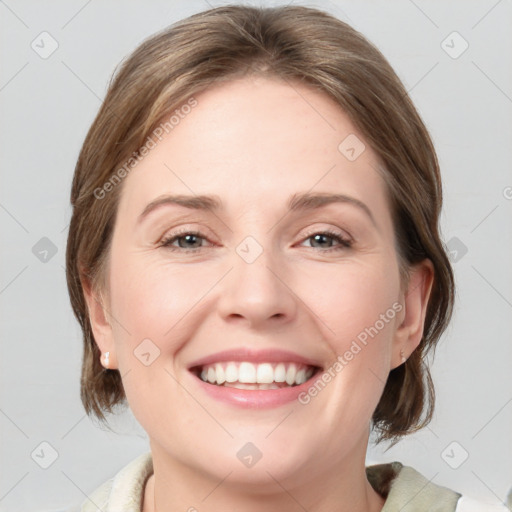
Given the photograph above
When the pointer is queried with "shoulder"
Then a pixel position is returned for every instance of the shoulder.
(123, 492)
(407, 490)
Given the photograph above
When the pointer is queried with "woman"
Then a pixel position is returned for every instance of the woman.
(255, 261)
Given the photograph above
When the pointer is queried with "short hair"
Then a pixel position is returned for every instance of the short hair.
(295, 44)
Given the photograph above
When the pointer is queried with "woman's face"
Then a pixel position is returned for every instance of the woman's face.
(260, 279)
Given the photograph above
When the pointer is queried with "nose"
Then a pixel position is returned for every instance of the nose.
(259, 294)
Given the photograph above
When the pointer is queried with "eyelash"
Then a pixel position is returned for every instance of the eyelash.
(344, 243)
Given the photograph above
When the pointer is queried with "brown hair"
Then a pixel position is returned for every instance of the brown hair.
(294, 44)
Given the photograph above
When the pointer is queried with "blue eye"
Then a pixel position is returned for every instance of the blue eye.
(344, 243)
(189, 237)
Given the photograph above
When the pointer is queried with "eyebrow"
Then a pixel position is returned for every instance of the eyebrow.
(297, 203)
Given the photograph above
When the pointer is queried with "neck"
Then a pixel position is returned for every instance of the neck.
(341, 487)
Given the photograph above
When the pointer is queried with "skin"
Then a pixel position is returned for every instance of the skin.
(254, 142)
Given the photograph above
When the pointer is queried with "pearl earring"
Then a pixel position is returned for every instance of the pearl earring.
(107, 356)
(403, 356)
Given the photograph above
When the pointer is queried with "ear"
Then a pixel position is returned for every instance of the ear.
(415, 301)
(99, 318)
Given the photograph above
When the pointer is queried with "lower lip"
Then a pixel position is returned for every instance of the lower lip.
(256, 398)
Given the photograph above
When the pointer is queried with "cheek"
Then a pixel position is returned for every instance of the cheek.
(156, 301)
(360, 310)
(351, 297)
(152, 305)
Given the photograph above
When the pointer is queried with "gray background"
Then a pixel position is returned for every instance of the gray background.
(47, 106)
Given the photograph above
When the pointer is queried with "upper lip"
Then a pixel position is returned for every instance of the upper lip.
(254, 356)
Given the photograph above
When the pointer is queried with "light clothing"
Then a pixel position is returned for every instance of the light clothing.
(404, 489)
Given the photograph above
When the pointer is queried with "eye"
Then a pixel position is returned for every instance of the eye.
(321, 236)
(190, 241)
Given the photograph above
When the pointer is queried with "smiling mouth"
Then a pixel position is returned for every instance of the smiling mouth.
(260, 376)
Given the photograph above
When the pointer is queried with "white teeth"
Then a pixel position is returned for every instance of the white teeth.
(221, 376)
(237, 385)
(246, 375)
(265, 374)
(231, 373)
(301, 376)
(280, 373)
(290, 375)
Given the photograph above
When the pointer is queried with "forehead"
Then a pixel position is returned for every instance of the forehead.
(257, 139)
